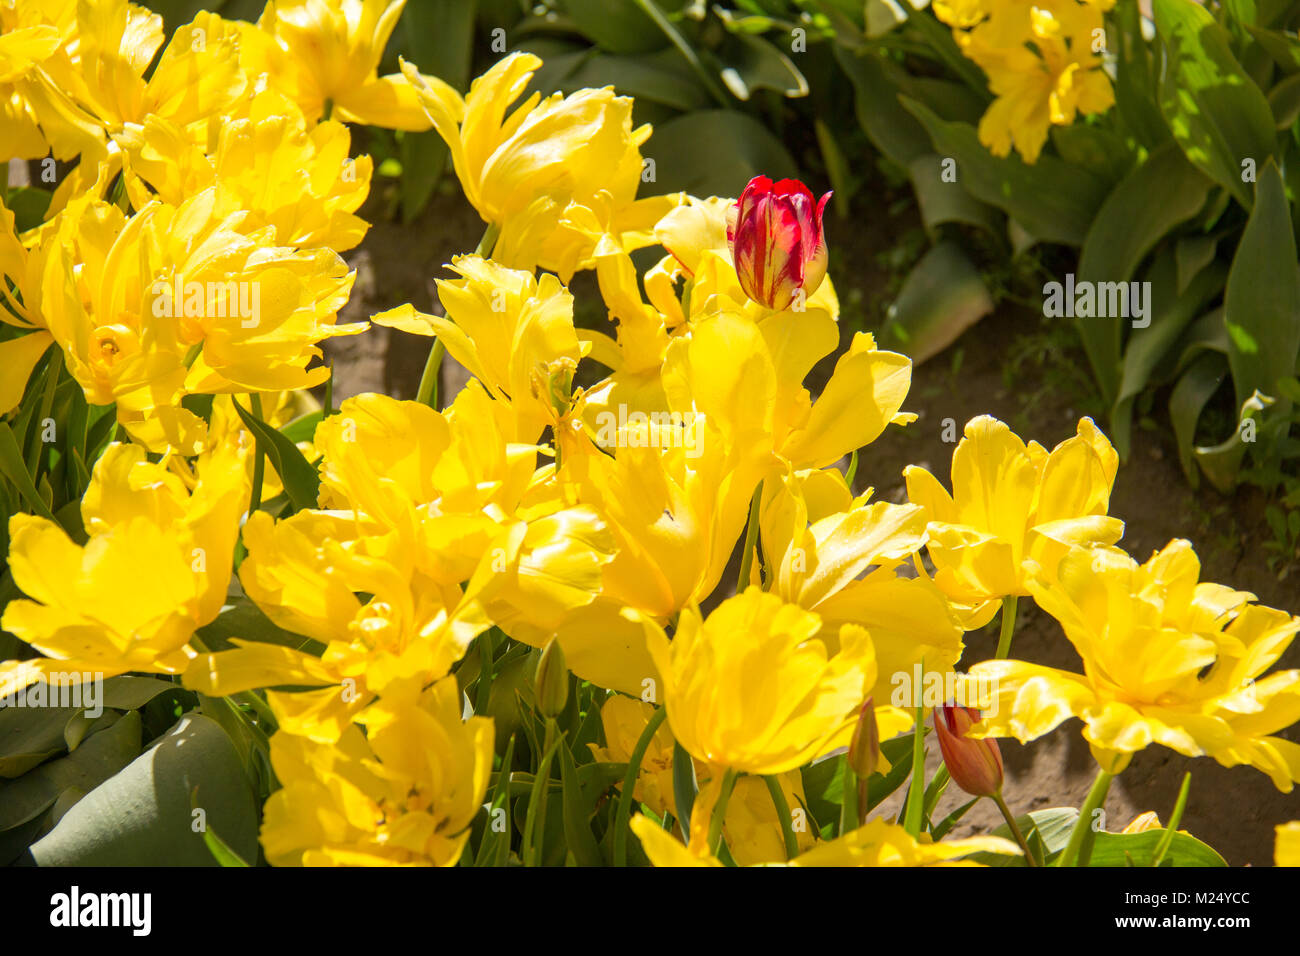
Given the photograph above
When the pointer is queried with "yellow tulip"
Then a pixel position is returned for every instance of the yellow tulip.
(267, 165)
(877, 843)
(1166, 660)
(507, 328)
(1041, 63)
(752, 829)
(1287, 850)
(840, 556)
(155, 568)
(529, 173)
(1011, 502)
(752, 688)
(402, 794)
(326, 53)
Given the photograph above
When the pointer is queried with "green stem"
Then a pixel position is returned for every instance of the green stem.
(427, 394)
(852, 471)
(751, 538)
(1015, 829)
(720, 810)
(1078, 851)
(1009, 604)
(915, 810)
(629, 785)
(783, 811)
(489, 241)
(537, 799)
(259, 460)
(849, 805)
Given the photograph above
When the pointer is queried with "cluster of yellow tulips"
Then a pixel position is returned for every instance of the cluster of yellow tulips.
(527, 569)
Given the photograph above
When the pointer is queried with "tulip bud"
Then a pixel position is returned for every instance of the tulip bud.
(552, 680)
(775, 234)
(864, 750)
(974, 765)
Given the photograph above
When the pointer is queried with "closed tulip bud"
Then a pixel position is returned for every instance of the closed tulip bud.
(864, 750)
(974, 765)
(552, 680)
(775, 234)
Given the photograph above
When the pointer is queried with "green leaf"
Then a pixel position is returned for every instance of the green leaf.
(685, 787)
(1052, 200)
(1284, 101)
(1138, 849)
(1097, 149)
(1217, 114)
(1149, 202)
(301, 482)
(1150, 348)
(31, 735)
(1134, 79)
(220, 849)
(243, 619)
(424, 158)
(942, 297)
(941, 201)
(1262, 301)
(616, 26)
(14, 468)
(1192, 254)
(659, 77)
(1050, 828)
(751, 63)
(99, 757)
(740, 148)
(144, 815)
(891, 129)
(577, 814)
(1284, 48)
(1198, 383)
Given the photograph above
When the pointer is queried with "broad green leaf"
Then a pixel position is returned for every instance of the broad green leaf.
(577, 813)
(940, 201)
(243, 619)
(31, 735)
(1150, 348)
(1284, 48)
(14, 469)
(892, 130)
(1262, 301)
(740, 148)
(1052, 827)
(1137, 849)
(301, 482)
(1052, 200)
(99, 757)
(1097, 149)
(1135, 79)
(1200, 381)
(143, 815)
(1192, 254)
(1222, 462)
(659, 77)
(750, 64)
(616, 26)
(1149, 202)
(1217, 114)
(1284, 100)
(942, 297)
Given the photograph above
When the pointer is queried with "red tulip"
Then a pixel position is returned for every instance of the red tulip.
(974, 765)
(775, 233)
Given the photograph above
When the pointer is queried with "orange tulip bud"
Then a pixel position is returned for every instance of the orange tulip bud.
(775, 234)
(974, 765)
